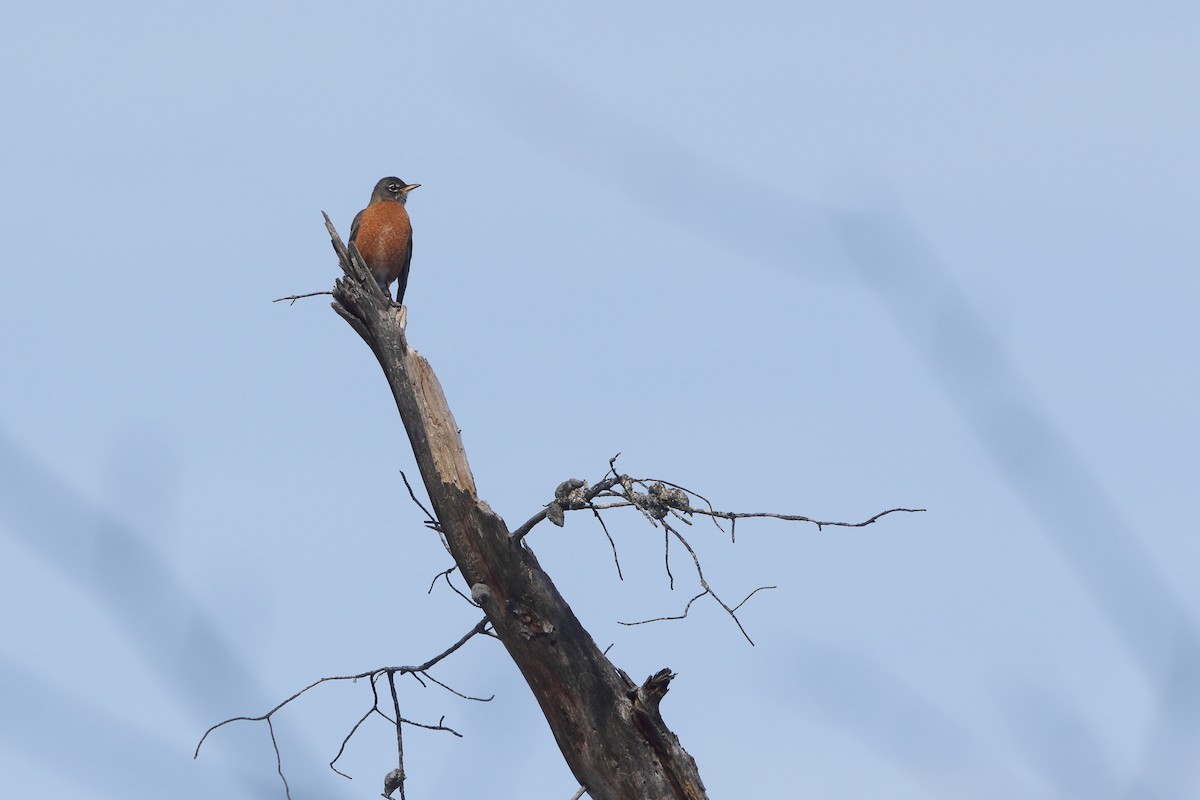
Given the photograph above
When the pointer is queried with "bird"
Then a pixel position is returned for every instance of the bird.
(383, 233)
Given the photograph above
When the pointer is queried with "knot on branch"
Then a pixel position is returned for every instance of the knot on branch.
(659, 499)
(570, 495)
(481, 593)
(392, 781)
(531, 624)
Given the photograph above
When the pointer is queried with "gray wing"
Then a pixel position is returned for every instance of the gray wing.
(402, 280)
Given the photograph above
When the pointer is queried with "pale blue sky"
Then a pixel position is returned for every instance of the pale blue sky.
(814, 260)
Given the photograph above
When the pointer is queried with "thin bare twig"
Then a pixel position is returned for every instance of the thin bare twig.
(287, 790)
(756, 591)
(821, 524)
(430, 520)
(439, 727)
(399, 730)
(295, 297)
(349, 735)
(667, 559)
(612, 465)
(452, 690)
(446, 574)
(611, 543)
(443, 574)
(686, 609)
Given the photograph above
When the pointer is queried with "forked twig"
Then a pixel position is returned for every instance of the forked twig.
(374, 674)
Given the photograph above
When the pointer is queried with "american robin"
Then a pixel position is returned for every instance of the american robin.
(383, 234)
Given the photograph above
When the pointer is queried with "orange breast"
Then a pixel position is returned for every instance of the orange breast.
(383, 238)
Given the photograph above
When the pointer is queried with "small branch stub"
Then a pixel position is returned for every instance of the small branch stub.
(651, 693)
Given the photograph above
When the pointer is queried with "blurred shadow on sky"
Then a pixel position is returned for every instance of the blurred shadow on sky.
(42, 720)
(879, 246)
(124, 576)
(1054, 737)
(1030, 453)
(859, 696)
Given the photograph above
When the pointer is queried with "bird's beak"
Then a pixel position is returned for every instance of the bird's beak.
(410, 187)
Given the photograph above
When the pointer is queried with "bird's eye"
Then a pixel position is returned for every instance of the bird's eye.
(394, 187)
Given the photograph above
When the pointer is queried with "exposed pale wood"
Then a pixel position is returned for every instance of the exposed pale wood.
(609, 730)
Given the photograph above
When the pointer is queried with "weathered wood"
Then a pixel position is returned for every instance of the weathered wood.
(609, 730)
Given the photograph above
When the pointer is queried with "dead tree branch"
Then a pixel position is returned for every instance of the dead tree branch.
(586, 700)
(660, 501)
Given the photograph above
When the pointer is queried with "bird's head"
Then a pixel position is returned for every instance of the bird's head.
(392, 189)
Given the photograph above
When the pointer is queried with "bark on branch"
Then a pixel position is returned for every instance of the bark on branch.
(609, 730)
